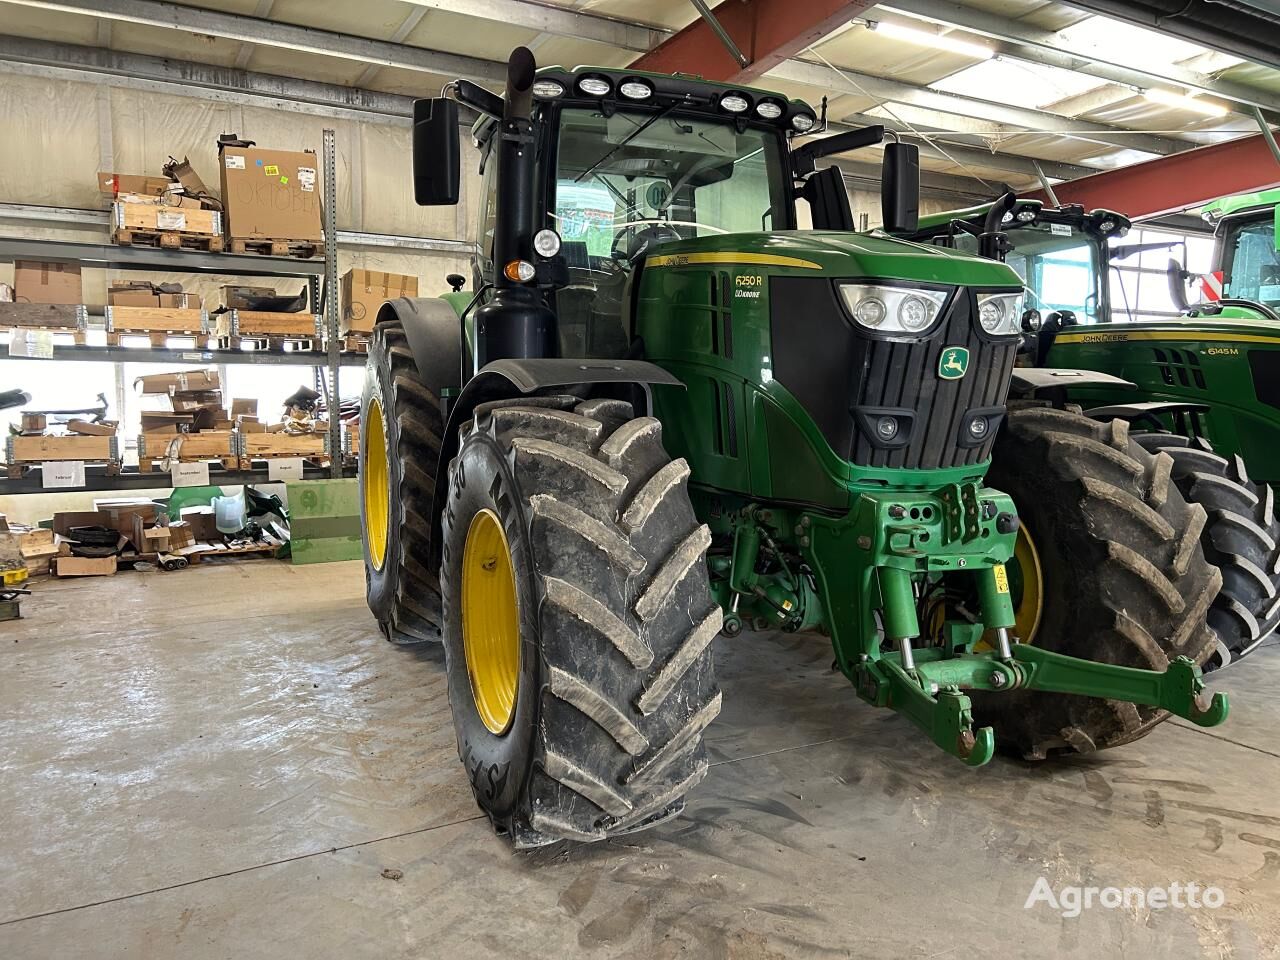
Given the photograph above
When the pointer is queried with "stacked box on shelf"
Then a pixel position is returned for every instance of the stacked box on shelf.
(169, 227)
(140, 309)
(272, 201)
(47, 297)
(194, 428)
(270, 446)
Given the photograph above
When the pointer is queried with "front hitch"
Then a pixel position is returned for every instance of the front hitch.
(930, 693)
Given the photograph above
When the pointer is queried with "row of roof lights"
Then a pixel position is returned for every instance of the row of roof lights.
(635, 88)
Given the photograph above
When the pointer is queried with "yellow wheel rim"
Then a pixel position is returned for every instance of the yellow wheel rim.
(1029, 601)
(490, 621)
(377, 488)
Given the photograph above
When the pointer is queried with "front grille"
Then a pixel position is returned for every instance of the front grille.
(839, 373)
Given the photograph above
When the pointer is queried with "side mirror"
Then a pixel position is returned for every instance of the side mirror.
(900, 188)
(1177, 278)
(456, 282)
(435, 152)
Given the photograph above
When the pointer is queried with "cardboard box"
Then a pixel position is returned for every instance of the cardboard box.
(35, 542)
(171, 383)
(85, 566)
(34, 422)
(63, 522)
(244, 408)
(37, 282)
(114, 184)
(180, 301)
(364, 292)
(270, 194)
(250, 425)
(235, 296)
(203, 524)
(87, 429)
(163, 421)
(132, 297)
(180, 534)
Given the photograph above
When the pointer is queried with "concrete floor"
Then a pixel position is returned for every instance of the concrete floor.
(223, 762)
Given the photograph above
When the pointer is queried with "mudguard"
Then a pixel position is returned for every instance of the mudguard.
(504, 379)
(434, 333)
(1030, 381)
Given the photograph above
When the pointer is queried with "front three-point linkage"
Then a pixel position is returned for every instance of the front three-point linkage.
(927, 684)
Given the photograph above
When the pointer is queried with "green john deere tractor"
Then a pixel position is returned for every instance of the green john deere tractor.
(663, 414)
(1199, 386)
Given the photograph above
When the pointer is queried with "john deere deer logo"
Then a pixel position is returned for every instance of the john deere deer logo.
(953, 363)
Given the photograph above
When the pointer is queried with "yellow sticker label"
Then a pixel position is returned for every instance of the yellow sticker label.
(271, 170)
(1002, 578)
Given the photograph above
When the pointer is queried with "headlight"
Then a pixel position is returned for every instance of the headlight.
(547, 89)
(802, 123)
(594, 86)
(1000, 314)
(635, 89)
(734, 103)
(901, 310)
(546, 242)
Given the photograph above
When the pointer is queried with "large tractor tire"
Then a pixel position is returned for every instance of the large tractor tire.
(578, 620)
(1109, 568)
(1242, 539)
(400, 430)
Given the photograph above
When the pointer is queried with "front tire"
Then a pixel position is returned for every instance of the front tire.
(1122, 576)
(1242, 539)
(400, 429)
(613, 620)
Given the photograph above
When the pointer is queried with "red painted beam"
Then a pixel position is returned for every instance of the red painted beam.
(766, 31)
(1176, 182)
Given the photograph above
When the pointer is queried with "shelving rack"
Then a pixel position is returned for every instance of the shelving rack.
(323, 299)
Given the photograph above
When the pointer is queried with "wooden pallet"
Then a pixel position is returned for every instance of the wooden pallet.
(354, 343)
(17, 470)
(168, 240)
(272, 344)
(166, 320)
(267, 323)
(303, 249)
(200, 551)
(159, 339)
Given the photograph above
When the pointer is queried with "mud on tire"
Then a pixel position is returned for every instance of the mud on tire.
(404, 594)
(1125, 580)
(616, 684)
(1241, 539)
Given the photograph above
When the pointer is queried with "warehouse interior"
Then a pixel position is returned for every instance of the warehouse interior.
(244, 662)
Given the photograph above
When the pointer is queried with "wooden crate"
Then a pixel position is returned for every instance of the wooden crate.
(187, 448)
(157, 324)
(24, 452)
(72, 319)
(169, 227)
(263, 323)
(41, 448)
(265, 446)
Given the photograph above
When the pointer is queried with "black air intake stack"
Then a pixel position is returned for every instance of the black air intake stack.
(516, 321)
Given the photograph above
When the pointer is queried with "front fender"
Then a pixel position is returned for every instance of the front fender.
(507, 379)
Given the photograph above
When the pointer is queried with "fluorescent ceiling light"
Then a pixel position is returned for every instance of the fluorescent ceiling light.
(927, 38)
(1184, 102)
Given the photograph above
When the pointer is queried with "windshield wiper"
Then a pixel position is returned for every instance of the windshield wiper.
(627, 139)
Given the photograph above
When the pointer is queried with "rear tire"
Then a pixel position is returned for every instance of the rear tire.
(1125, 580)
(615, 682)
(1242, 539)
(401, 587)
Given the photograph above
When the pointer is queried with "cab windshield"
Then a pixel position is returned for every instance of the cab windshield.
(1058, 264)
(633, 177)
(629, 181)
(1251, 265)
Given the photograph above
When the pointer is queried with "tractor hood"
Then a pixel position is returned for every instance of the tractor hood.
(836, 254)
(1235, 325)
